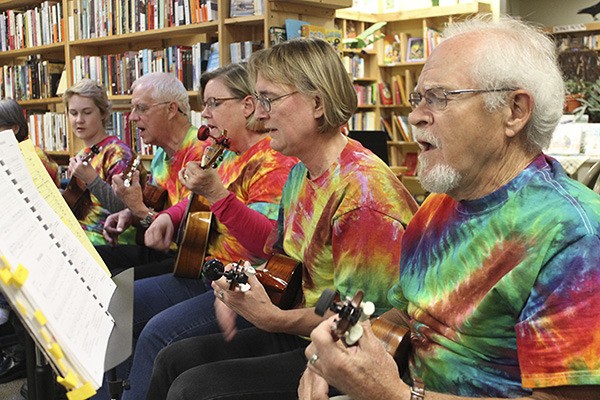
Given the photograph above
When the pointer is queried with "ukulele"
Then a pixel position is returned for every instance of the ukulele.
(192, 238)
(395, 338)
(153, 196)
(76, 193)
(281, 277)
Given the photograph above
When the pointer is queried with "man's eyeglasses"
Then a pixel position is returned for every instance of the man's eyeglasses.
(142, 108)
(265, 102)
(214, 102)
(437, 98)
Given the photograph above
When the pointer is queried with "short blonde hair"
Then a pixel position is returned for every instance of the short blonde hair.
(92, 90)
(314, 68)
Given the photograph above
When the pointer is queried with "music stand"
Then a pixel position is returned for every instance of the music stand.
(40, 384)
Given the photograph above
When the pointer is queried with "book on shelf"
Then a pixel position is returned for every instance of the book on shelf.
(213, 58)
(333, 36)
(277, 34)
(244, 8)
(409, 84)
(403, 127)
(293, 28)
(434, 37)
(241, 51)
(385, 94)
(396, 95)
(400, 88)
(366, 94)
(392, 50)
(387, 127)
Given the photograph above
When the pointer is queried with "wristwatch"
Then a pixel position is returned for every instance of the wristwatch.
(147, 220)
(417, 391)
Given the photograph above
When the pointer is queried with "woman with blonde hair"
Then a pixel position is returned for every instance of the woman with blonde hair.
(102, 157)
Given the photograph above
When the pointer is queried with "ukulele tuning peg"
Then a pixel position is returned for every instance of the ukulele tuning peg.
(213, 269)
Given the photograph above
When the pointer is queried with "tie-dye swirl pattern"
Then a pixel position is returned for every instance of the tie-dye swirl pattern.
(165, 169)
(256, 178)
(113, 159)
(346, 226)
(503, 290)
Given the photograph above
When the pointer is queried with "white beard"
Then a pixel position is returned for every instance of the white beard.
(441, 178)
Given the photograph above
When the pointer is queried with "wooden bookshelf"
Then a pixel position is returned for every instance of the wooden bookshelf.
(222, 29)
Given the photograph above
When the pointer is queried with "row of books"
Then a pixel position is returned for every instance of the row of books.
(401, 48)
(36, 79)
(397, 127)
(37, 26)
(398, 91)
(355, 65)
(578, 42)
(99, 18)
(362, 121)
(433, 37)
(366, 94)
(118, 71)
(244, 8)
(48, 130)
(241, 51)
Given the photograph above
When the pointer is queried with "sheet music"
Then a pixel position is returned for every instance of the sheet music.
(65, 282)
(55, 200)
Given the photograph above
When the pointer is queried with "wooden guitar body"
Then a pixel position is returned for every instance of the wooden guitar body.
(76, 193)
(193, 240)
(282, 279)
(154, 196)
(395, 339)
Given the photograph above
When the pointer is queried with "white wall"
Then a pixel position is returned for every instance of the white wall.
(551, 12)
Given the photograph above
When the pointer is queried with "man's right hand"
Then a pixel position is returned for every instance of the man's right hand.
(132, 196)
(160, 233)
(115, 224)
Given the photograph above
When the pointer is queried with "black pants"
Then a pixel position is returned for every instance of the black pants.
(255, 365)
(146, 262)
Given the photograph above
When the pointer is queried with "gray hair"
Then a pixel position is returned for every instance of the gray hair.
(517, 55)
(92, 90)
(165, 87)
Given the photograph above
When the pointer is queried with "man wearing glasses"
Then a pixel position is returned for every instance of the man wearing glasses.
(500, 267)
(160, 110)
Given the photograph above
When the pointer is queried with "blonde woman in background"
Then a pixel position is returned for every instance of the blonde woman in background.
(102, 157)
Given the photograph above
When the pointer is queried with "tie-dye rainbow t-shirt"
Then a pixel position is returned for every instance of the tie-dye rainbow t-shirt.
(346, 226)
(503, 291)
(256, 177)
(113, 159)
(164, 169)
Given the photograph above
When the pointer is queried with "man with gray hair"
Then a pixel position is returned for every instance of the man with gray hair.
(160, 110)
(499, 270)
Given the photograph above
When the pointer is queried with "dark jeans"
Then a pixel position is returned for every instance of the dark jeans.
(254, 365)
(146, 262)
